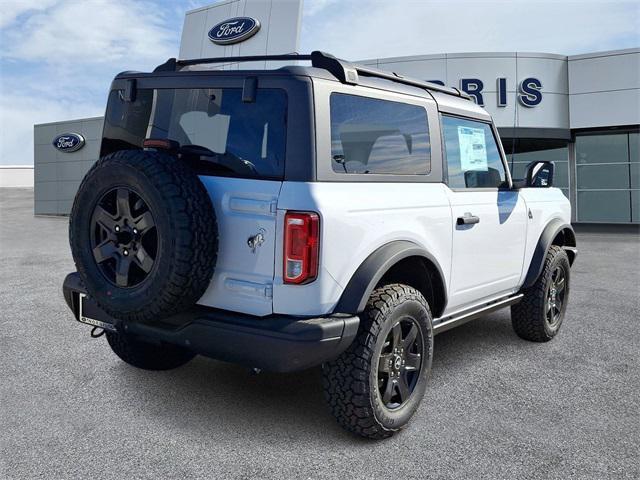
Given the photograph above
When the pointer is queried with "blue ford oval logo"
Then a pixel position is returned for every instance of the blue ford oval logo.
(69, 142)
(234, 30)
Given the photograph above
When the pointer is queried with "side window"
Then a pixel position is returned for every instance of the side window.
(473, 158)
(370, 135)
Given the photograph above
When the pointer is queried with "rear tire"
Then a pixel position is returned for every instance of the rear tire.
(145, 355)
(376, 385)
(539, 315)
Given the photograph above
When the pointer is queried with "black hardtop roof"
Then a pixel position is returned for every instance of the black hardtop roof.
(323, 65)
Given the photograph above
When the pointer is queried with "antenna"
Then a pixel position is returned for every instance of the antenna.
(513, 138)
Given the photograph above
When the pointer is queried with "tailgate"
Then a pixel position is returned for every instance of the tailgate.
(244, 272)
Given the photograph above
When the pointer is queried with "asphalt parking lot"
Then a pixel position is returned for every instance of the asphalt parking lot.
(497, 406)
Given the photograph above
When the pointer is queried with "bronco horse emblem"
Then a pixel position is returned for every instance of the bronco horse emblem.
(256, 240)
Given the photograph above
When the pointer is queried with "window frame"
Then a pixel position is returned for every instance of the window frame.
(324, 170)
(496, 139)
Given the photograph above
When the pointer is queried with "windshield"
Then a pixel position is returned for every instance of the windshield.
(215, 125)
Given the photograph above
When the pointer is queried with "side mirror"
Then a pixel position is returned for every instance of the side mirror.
(539, 175)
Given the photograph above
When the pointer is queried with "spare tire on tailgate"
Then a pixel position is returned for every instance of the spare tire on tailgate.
(143, 235)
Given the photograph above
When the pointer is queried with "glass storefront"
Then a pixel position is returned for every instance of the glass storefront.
(607, 177)
(527, 150)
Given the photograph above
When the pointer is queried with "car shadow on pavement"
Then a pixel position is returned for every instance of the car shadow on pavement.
(221, 398)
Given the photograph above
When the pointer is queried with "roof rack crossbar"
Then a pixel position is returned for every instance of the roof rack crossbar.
(344, 71)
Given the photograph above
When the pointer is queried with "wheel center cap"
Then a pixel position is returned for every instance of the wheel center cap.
(124, 237)
(397, 362)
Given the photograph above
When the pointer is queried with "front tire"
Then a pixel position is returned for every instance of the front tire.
(376, 385)
(539, 315)
(147, 356)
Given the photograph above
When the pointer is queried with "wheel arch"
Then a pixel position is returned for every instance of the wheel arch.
(400, 261)
(559, 233)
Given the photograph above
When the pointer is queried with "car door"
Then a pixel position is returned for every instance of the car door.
(489, 218)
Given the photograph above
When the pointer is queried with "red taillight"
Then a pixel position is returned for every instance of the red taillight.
(160, 143)
(301, 247)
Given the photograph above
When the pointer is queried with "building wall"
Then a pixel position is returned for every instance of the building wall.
(58, 174)
(604, 89)
(279, 33)
(16, 176)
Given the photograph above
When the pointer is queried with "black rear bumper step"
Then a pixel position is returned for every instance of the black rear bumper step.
(276, 343)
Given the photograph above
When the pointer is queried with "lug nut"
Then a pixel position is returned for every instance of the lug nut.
(117, 229)
(135, 231)
(125, 252)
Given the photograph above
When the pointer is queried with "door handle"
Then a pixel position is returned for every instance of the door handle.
(468, 219)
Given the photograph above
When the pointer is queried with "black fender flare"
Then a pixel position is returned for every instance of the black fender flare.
(551, 231)
(357, 292)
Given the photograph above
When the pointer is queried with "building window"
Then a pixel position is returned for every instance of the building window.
(607, 177)
(526, 150)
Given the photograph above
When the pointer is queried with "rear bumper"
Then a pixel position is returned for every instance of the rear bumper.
(277, 343)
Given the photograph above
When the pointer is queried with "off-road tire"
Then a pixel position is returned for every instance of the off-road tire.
(528, 317)
(350, 381)
(145, 355)
(186, 229)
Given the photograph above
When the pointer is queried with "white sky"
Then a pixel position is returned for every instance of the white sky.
(57, 57)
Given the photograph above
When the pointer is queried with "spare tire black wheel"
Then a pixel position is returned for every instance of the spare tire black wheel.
(143, 235)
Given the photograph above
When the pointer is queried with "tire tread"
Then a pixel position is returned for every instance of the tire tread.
(346, 379)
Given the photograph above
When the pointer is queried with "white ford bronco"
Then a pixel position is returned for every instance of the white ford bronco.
(331, 214)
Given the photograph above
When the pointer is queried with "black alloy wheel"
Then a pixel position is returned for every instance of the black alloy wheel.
(555, 296)
(539, 315)
(375, 386)
(124, 238)
(399, 363)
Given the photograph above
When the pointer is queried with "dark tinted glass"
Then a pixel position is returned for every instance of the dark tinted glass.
(378, 136)
(520, 152)
(242, 139)
(609, 148)
(473, 158)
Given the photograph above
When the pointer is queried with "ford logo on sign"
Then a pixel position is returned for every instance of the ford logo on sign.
(234, 30)
(69, 142)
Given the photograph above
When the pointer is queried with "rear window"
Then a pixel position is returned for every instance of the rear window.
(215, 125)
(370, 135)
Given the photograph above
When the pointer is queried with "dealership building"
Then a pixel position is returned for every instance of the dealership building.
(582, 112)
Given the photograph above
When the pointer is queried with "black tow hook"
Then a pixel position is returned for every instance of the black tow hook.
(97, 332)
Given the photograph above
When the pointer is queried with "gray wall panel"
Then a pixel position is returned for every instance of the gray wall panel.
(58, 174)
(46, 172)
(46, 190)
(605, 109)
(46, 207)
(279, 32)
(552, 72)
(618, 71)
(553, 112)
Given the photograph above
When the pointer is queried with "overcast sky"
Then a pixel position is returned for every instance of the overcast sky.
(57, 57)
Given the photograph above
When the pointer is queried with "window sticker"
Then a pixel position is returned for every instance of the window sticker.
(473, 149)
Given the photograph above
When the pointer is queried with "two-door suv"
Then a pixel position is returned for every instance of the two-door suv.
(328, 214)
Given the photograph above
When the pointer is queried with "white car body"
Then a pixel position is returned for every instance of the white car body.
(479, 263)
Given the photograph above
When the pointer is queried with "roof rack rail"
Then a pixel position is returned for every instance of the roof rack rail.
(344, 71)
(172, 64)
(348, 73)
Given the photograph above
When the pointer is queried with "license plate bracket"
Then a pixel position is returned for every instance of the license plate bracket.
(89, 313)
